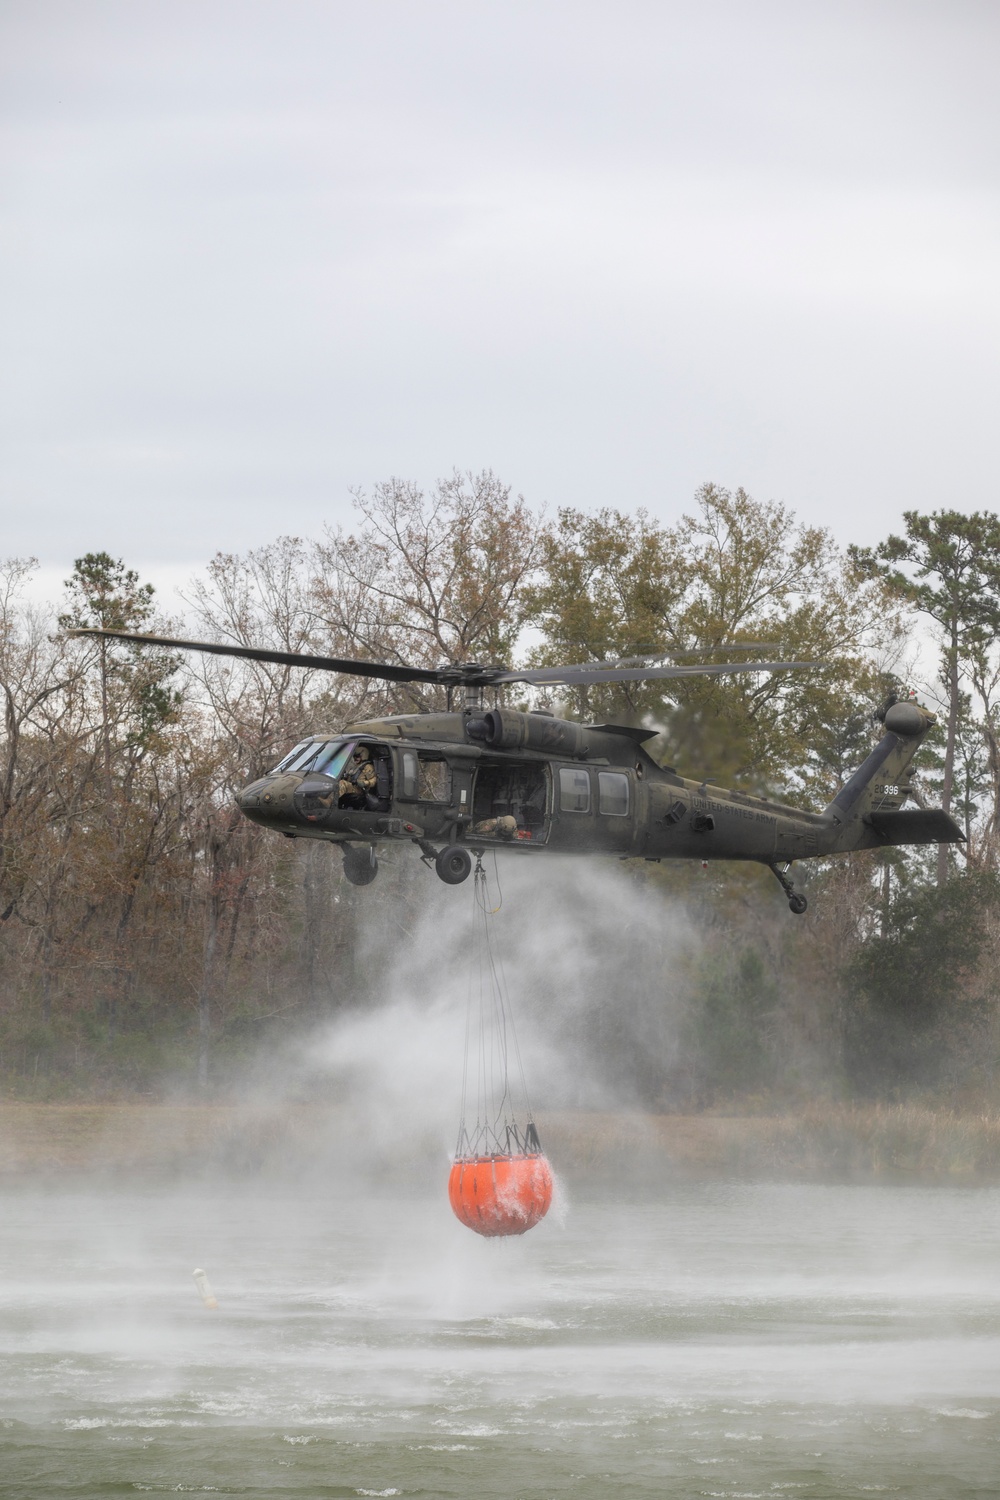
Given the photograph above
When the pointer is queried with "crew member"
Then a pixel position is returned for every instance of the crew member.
(497, 828)
(358, 780)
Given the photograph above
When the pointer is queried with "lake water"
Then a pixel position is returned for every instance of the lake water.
(720, 1342)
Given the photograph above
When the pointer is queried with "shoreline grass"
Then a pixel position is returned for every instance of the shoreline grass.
(883, 1143)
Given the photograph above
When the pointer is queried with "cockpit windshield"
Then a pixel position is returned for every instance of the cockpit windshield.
(291, 760)
(327, 756)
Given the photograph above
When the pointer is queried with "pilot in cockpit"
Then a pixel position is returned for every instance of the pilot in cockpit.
(358, 779)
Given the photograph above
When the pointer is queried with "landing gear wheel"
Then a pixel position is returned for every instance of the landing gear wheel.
(453, 864)
(796, 903)
(360, 864)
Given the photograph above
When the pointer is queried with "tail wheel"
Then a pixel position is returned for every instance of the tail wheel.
(360, 864)
(797, 904)
(453, 864)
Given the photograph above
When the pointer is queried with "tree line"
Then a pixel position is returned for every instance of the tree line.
(146, 927)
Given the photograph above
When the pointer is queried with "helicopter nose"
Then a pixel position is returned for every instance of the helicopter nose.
(251, 796)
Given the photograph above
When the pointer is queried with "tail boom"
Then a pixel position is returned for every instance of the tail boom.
(867, 812)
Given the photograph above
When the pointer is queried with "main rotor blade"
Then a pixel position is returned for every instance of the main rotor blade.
(387, 671)
(647, 656)
(587, 676)
(472, 673)
(728, 646)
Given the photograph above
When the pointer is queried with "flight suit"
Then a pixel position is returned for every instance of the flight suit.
(497, 828)
(357, 781)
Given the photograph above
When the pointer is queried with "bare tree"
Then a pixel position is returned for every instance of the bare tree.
(430, 578)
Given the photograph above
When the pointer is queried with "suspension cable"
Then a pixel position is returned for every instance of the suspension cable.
(494, 1035)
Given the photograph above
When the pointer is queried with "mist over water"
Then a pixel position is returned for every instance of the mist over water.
(726, 1341)
(649, 1338)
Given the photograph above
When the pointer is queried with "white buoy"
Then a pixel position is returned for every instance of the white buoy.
(201, 1281)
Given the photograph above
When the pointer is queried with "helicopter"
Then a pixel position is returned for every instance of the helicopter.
(458, 783)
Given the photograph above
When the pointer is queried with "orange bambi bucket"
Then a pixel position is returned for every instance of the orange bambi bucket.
(499, 1195)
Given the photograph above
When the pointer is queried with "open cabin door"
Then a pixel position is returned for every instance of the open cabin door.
(510, 803)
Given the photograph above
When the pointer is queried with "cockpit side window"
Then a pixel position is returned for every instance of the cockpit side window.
(333, 757)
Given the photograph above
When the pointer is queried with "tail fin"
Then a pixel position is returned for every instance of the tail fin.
(867, 811)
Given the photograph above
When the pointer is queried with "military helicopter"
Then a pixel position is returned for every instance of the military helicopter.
(458, 783)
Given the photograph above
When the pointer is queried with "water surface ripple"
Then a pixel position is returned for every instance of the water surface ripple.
(724, 1342)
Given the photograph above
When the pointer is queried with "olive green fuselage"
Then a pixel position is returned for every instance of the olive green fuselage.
(546, 783)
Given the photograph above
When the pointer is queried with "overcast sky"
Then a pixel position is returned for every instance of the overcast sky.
(255, 254)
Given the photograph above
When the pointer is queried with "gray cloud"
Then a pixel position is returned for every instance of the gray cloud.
(256, 254)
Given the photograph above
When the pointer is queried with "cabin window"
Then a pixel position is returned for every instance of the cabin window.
(434, 784)
(574, 789)
(612, 793)
(408, 784)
